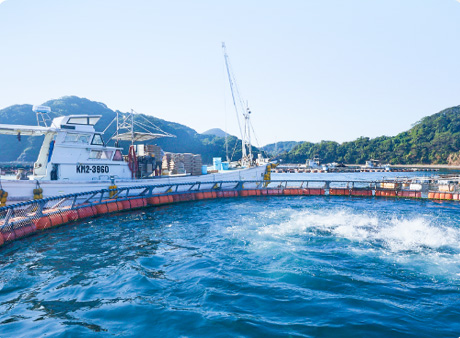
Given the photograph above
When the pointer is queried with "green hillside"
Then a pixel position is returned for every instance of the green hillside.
(433, 140)
(275, 149)
(187, 140)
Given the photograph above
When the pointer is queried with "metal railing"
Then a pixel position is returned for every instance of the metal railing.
(20, 219)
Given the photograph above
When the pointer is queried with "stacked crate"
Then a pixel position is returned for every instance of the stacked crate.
(153, 150)
(174, 164)
(188, 162)
(196, 165)
(165, 164)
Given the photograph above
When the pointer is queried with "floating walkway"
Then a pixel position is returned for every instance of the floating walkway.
(298, 169)
(23, 219)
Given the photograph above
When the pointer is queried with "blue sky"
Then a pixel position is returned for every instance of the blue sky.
(310, 70)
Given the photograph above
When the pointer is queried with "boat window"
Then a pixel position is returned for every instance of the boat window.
(101, 154)
(93, 120)
(77, 138)
(78, 120)
(97, 140)
(118, 156)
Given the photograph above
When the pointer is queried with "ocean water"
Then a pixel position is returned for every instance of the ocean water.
(297, 266)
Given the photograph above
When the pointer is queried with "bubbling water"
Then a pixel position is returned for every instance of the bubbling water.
(423, 241)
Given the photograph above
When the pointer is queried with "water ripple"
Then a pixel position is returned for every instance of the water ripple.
(289, 266)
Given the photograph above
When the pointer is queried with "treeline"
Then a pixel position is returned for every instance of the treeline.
(274, 149)
(433, 140)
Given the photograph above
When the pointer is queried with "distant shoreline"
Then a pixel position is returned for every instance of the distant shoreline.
(428, 166)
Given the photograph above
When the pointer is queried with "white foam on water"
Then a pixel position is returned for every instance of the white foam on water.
(406, 239)
(418, 234)
(395, 233)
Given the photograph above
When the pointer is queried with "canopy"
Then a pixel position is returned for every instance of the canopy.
(138, 137)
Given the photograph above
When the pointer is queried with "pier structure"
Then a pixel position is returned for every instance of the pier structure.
(26, 218)
(302, 169)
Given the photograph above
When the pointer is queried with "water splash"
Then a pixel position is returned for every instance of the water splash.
(423, 241)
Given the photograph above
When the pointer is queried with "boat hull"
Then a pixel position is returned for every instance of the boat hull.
(19, 191)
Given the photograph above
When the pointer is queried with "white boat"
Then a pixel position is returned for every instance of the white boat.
(74, 158)
(375, 165)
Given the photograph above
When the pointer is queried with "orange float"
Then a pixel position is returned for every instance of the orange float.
(186, 197)
(163, 199)
(29, 229)
(85, 212)
(154, 200)
(19, 232)
(126, 204)
(72, 215)
(43, 223)
(8, 236)
(112, 207)
(56, 219)
(360, 192)
(316, 191)
(304, 191)
(102, 208)
(138, 203)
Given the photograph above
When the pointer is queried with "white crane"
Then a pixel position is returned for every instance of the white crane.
(240, 108)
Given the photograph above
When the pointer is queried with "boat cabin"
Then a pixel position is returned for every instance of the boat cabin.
(73, 150)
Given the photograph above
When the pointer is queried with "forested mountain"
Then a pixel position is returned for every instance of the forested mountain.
(433, 140)
(275, 149)
(187, 140)
(215, 131)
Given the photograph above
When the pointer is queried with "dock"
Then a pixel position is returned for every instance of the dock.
(302, 169)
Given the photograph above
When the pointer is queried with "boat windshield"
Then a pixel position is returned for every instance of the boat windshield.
(83, 120)
(97, 140)
(77, 138)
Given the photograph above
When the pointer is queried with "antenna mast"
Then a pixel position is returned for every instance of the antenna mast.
(132, 127)
(42, 113)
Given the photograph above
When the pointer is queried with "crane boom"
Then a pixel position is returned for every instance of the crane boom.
(240, 108)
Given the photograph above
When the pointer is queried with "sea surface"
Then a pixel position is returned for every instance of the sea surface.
(294, 266)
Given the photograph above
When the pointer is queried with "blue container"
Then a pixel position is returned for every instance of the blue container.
(204, 169)
(224, 165)
(217, 162)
